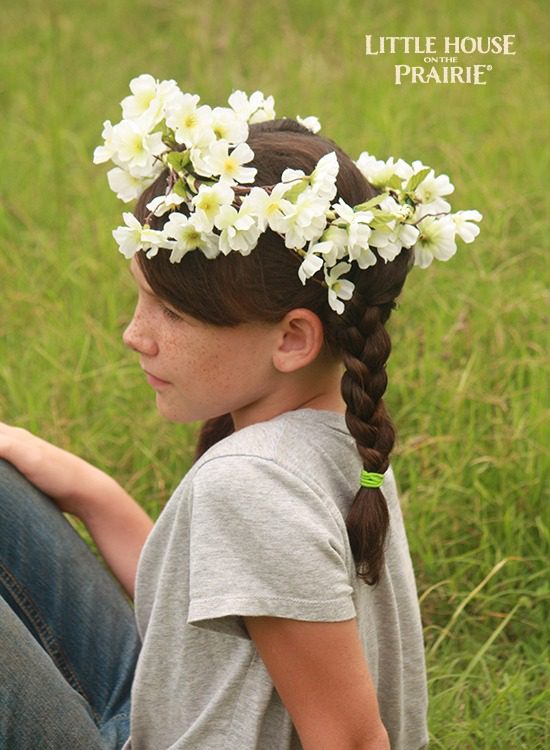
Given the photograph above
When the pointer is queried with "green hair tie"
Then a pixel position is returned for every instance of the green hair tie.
(371, 479)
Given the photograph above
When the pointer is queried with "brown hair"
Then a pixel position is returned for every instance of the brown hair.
(264, 286)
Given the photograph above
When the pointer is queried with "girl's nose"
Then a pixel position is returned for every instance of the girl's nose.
(136, 338)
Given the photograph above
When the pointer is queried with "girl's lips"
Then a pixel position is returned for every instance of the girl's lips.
(154, 381)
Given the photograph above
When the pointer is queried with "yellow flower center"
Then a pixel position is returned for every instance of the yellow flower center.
(190, 120)
(136, 144)
(229, 166)
(145, 100)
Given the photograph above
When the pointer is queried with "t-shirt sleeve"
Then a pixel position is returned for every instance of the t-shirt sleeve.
(264, 542)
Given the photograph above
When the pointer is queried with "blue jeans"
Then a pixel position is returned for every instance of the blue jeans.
(68, 640)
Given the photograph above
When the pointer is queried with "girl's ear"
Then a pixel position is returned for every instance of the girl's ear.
(300, 341)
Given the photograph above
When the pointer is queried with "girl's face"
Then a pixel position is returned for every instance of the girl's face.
(199, 370)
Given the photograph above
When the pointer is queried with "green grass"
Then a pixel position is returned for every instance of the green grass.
(469, 371)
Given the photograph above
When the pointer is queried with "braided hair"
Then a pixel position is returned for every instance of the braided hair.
(264, 286)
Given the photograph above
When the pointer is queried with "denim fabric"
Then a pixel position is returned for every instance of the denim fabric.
(68, 640)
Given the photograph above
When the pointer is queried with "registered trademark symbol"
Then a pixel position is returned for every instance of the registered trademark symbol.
(489, 67)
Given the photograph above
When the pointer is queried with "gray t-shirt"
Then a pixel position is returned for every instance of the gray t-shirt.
(257, 527)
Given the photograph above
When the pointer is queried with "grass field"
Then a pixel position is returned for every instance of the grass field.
(469, 372)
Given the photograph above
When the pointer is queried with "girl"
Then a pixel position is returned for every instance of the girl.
(275, 605)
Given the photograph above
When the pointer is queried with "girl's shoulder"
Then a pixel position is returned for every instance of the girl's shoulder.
(308, 447)
(293, 439)
(307, 452)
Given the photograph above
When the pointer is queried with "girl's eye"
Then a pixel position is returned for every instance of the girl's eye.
(170, 314)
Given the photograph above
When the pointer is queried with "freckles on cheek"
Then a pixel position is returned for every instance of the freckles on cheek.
(202, 363)
(211, 365)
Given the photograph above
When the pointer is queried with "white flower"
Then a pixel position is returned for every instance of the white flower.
(378, 172)
(148, 100)
(311, 123)
(184, 235)
(239, 230)
(144, 90)
(208, 202)
(396, 233)
(338, 236)
(135, 145)
(430, 191)
(338, 289)
(135, 149)
(363, 256)
(323, 177)
(309, 266)
(346, 212)
(239, 103)
(263, 108)
(400, 212)
(464, 227)
(126, 187)
(133, 237)
(418, 166)
(407, 234)
(191, 124)
(200, 151)
(213, 145)
(228, 126)
(292, 175)
(268, 206)
(390, 239)
(358, 233)
(436, 240)
(302, 221)
(229, 166)
(385, 241)
(108, 150)
(253, 108)
(384, 235)
(162, 204)
(313, 261)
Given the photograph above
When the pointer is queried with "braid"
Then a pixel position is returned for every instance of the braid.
(211, 432)
(365, 347)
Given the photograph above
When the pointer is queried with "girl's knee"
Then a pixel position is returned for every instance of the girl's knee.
(12, 482)
(22, 504)
(9, 474)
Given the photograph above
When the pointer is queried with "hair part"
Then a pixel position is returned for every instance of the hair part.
(264, 286)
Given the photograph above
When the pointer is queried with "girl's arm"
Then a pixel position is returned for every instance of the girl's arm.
(321, 675)
(117, 524)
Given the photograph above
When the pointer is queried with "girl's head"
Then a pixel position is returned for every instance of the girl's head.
(263, 287)
(265, 284)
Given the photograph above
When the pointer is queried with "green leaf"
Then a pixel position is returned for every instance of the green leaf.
(192, 182)
(177, 160)
(295, 191)
(180, 188)
(381, 220)
(394, 182)
(168, 135)
(372, 203)
(385, 216)
(417, 178)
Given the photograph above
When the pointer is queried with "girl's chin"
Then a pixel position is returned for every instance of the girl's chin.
(173, 413)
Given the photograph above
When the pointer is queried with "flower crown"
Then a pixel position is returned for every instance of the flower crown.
(205, 152)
